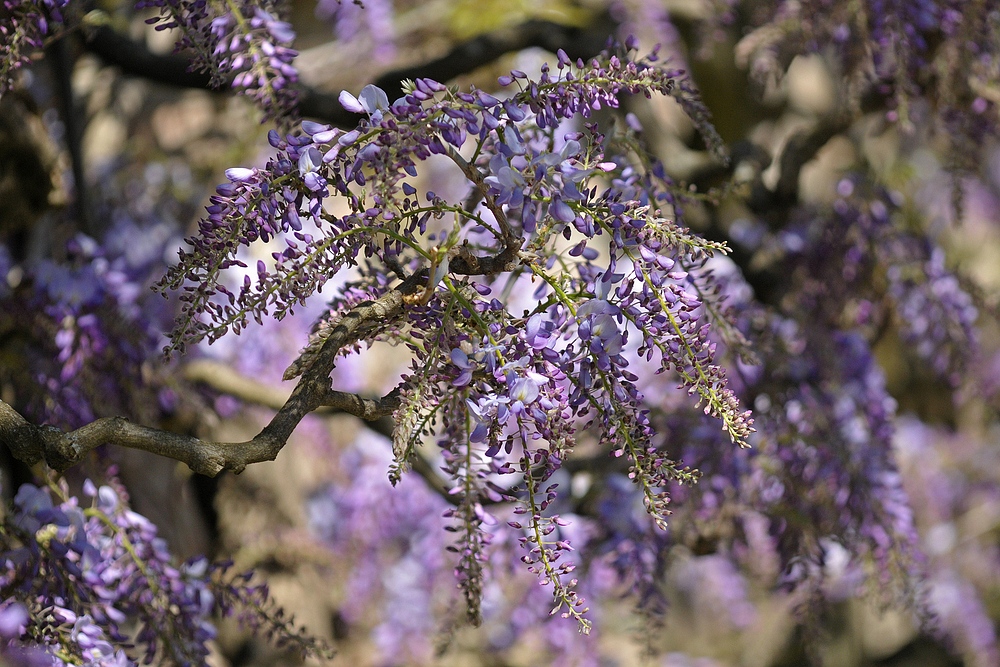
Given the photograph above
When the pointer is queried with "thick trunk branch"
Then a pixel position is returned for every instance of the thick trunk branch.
(31, 443)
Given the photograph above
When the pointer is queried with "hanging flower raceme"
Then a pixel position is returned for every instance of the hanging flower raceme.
(507, 393)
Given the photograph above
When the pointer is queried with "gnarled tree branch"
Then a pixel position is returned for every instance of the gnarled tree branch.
(31, 443)
(223, 378)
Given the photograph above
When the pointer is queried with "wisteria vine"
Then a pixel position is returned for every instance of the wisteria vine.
(537, 306)
(541, 196)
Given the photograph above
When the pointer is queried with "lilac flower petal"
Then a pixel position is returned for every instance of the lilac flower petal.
(350, 102)
(239, 174)
(312, 128)
(374, 99)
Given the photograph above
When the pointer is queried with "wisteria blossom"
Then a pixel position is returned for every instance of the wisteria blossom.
(613, 362)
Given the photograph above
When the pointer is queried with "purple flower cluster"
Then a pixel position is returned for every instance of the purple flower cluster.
(96, 585)
(904, 50)
(950, 477)
(594, 88)
(85, 577)
(240, 595)
(820, 483)
(844, 251)
(472, 522)
(397, 564)
(823, 452)
(245, 46)
(90, 329)
(25, 25)
(851, 491)
(407, 586)
(937, 317)
(506, 394)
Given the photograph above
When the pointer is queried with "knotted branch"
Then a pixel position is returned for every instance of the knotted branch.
(32, 443)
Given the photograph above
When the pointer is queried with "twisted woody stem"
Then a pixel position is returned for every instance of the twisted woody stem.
(32, 443)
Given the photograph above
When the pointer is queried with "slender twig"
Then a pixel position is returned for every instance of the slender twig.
(481, 50)
(134, 58)
(225, 379)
